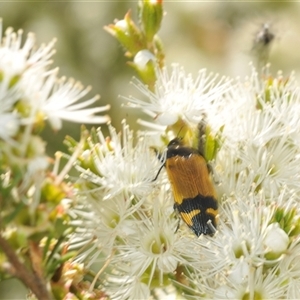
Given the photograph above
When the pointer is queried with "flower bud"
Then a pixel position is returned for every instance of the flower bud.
(128, 34)
(276, 241)
(145, 63)
(151, 13)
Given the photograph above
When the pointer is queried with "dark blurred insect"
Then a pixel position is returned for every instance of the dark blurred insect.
(262, 44)
(264, 36)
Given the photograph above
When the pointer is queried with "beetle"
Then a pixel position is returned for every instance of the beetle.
(193, 190)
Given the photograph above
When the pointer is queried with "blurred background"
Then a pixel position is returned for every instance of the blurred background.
(215, 35)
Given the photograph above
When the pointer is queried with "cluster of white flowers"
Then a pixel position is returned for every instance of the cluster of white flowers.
(256, 171)
(179, 97)
(124, 217)
(34, 199)
(31, 93)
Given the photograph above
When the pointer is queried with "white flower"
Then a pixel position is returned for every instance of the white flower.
(151, 245)
(179, 96)
(98, 223)
(16, 60)
(121, 167)
(57, 99)
(28, 90)
(275, 165)
(13, 63)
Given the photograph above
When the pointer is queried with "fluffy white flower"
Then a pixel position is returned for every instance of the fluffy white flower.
(29, 91)
(120, 166)
(57, 99)
(178, 96)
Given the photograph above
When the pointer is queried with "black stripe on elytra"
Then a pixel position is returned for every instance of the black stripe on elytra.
(200, 220)
(199, 202)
